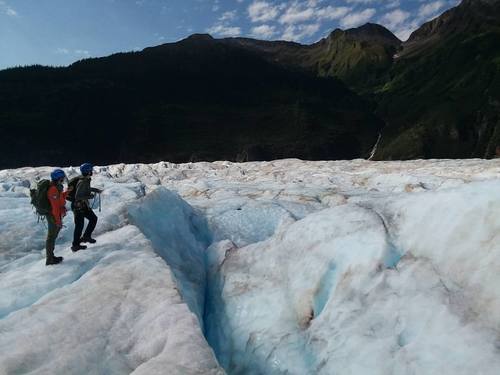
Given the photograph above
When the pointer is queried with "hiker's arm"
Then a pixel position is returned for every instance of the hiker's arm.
(55, 204)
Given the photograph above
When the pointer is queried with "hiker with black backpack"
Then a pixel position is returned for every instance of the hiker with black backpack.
(57, 199)
(81, 208)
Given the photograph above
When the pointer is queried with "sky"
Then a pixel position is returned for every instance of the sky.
(60, 32)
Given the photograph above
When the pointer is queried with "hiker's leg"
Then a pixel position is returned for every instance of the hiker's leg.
(79, 222)
(92, 218)
(52, 232)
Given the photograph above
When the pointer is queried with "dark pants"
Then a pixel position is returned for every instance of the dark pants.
(80, 216)
(52, 233)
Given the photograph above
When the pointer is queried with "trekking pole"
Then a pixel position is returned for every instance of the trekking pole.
(100, 202)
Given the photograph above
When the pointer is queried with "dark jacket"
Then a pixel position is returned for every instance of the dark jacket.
(84, 192)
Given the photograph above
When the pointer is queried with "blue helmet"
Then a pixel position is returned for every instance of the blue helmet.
(57, 174)
(86, 168)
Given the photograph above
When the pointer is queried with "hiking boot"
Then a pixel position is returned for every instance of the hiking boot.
(87, 239)
(78, 247)
(54, 260)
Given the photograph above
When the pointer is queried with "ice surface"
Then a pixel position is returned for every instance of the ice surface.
(346, 300)
(249, 223)
(278, 267)
(110, 310)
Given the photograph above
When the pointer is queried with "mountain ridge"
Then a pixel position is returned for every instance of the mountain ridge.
(435, 95)
(197, 99)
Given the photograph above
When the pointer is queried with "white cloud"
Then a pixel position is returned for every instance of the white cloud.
(392, 4)
(10, 12)
(264, 31)
(332, 13)
(262, 11)
(224, 30)
(430, 9)
(62, 51)
(223, 27)
(299, 32)
(82, 52)
(357, 18)
(360, 1)
(297, 13)
(7, 9)
(394, 19)
(76, 52)
(228, 16)
(215, 6)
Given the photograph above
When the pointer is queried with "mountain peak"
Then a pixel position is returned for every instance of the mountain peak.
(200, 37)
(369, 28)
(368, 32)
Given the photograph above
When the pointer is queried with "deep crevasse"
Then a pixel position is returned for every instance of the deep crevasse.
(180, 236)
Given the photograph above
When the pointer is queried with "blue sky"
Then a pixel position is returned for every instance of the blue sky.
(59, 32)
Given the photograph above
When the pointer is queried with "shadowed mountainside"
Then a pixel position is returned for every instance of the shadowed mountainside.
(198, 99)
(436, 95)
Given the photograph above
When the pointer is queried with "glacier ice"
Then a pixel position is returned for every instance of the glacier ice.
(261, 268)
(179, 235)
(113, 309)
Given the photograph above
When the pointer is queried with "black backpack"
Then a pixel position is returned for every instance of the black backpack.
(72, 183)
(39, 198)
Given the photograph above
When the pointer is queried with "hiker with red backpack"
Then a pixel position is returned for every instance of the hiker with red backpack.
(57, 198)
(81, 208)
